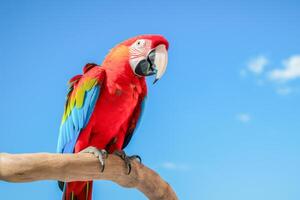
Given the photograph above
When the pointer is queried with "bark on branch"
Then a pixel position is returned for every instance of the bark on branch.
(80, 167)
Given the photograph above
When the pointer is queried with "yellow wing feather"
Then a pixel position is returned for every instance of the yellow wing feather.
(76, 97)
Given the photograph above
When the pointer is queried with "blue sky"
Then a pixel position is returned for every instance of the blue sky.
(223, 123)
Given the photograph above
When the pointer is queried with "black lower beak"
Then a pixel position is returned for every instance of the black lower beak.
(146, 67)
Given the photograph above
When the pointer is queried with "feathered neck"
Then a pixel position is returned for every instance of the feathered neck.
(117, 66)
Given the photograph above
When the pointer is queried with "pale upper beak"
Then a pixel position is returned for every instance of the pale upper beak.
(160, 61)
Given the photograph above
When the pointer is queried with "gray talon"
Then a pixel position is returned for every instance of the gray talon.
(136, 157)
(101, 154)
(127, 159)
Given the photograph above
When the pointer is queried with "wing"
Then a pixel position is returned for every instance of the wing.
(83, 94)
(135, 121)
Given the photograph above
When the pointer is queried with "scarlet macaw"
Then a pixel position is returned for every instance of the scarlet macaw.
(104, 104)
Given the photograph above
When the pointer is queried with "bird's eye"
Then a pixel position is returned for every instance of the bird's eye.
(140, 43)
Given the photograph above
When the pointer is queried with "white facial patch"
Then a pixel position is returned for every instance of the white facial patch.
(139, 51)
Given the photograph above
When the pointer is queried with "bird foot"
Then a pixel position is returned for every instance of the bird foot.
(101, 154)
(127, 159)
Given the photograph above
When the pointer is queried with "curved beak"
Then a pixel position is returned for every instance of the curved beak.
(160, 61)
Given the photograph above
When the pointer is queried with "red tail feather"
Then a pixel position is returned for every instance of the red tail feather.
(78, 191)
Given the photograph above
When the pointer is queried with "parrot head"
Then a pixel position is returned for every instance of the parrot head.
(145, 55)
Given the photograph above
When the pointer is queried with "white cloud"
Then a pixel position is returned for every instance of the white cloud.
(257, 65)
(284, 90)
(243, 117)
(276, 77)
(172, 166)
(290, 71)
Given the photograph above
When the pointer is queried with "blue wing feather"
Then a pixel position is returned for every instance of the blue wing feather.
(143, 104)
(77, 120)
(131, 132)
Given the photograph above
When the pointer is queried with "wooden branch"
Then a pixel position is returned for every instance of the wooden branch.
(81, 167)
